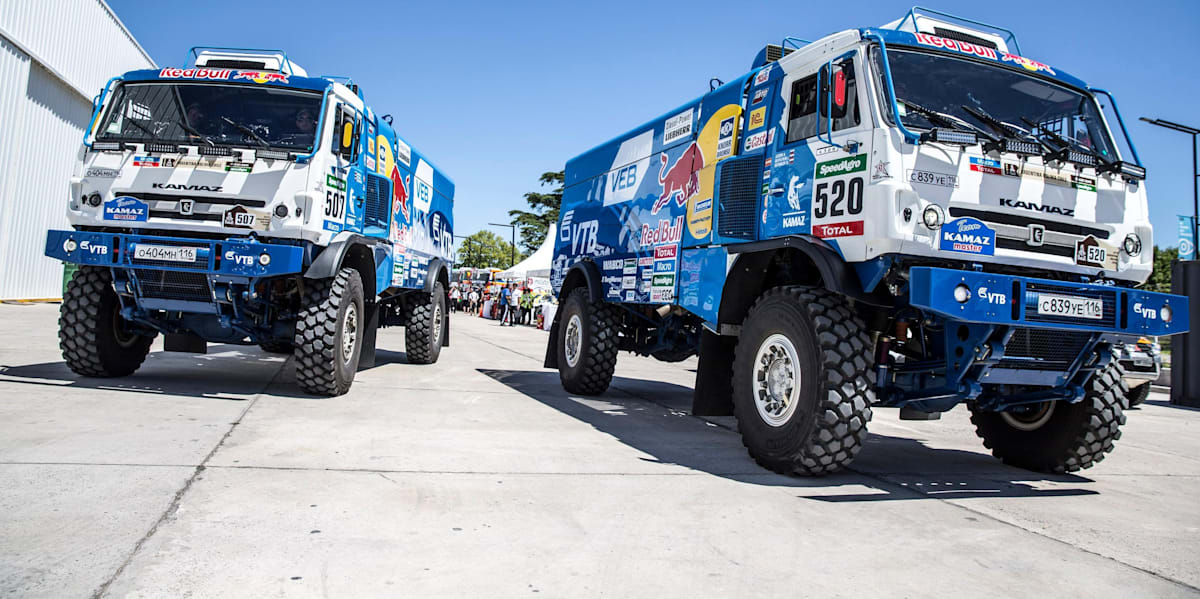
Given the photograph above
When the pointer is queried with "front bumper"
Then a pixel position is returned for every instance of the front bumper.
(1014, 301)
(239, 257)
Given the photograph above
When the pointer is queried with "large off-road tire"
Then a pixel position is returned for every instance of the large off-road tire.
(1138, 394)
(1057, 436)
(802, 381)
(94, 339)
(278, 346)
(423, 331)
(587, 344)
(329, 333)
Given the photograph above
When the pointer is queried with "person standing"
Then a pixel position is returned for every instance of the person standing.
(505, 297)
(516, 305)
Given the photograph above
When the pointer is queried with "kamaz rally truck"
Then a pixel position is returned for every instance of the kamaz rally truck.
(910, 216)
(239, 200)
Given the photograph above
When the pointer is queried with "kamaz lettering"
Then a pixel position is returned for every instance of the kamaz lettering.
(1037, 207)
(181, 186)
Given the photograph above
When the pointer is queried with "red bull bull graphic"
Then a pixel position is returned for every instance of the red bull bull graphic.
(681, 180)
(261, 77)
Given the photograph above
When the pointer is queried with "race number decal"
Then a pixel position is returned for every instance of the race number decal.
(335, 204)
(838, 198)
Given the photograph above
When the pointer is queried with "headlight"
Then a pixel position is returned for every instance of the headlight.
(94, 199)
(962, 293)
(1165, 313)
(933, 216)
(1132, 245)
(69, 245)
(281, 211)
(264, 258)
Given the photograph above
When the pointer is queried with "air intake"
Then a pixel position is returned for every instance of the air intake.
(951, 34)
(737, 196)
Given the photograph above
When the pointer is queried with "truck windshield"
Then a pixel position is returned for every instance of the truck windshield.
(950, 86)
(210, 114)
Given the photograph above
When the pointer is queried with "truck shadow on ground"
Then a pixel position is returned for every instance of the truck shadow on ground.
(227, 372)
(653, 417)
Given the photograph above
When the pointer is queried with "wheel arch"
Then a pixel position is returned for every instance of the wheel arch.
(355, 252)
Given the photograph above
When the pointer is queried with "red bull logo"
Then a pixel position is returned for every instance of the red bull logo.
(261, 77)
(680, 181)
(399, 198)
(170, 73)
(1028, 63)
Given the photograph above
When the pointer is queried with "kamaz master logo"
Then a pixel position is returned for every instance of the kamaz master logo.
(842, 166)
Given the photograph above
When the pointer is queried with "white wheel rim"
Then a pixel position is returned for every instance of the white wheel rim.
(349, 332)
(776, 380)
(573, 340)
(1034, 418)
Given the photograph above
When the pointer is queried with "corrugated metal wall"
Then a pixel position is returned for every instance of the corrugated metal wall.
(54, 56)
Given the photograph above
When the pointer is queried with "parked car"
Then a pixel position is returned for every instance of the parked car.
(1142, 362)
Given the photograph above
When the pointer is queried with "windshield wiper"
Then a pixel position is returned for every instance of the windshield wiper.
(948, 120)
(1069, 150)
(246, 130)
(1013, 139)
(192, 130)
(153, 135)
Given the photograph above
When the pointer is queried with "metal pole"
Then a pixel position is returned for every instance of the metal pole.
(1195, 199)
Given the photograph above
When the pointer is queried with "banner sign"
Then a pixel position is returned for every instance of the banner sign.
(1187, 240)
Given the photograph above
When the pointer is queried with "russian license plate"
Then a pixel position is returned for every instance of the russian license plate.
(1065, 305)
(165, 253)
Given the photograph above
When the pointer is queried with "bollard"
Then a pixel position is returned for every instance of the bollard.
(1185, 348)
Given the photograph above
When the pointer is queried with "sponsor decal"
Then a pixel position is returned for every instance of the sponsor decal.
(239, 259)
(1012, 169)
(198, 73)
(793, 195)
(629, 266)
(1037, 207)
(102, 173)
(849, 229)
(880, 171)
(125, 208)
(261, 77)
(764, 75)
(969, 236)
(991, 297)
(629, 282)
(784, 158)
(956, 45)
(336, 183)
(758, 118)
(771, 135)
(399, 201)
(664, 280)
(403, 152)
(146, 161)
(704, 205)
(666, 232)
(841, 166)
(1083, 183)
(369, 162)
(797, 218)
(766, 174)
(1027, 63)
(646, 261)
(239, 217)
(826, 150)
(759, 94)
(95, 249)
(1138, 308)
(1093, 252)
(207, 163)
(664, 266)
(932, 178)
(680, 181)
(985, 165)
(184, 187)
(767, 162)
(332, 226)
(582, 236)
(613, 264)
(756, 141)
(666, 252)
(239, 167)
(630, 296)
(677, 127)
(725, 138)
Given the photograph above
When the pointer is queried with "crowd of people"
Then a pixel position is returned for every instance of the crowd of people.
(511, 304)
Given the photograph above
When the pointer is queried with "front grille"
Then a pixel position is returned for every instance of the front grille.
(1021, 220)
(178, 216)
(1108, 297)
(737, 193)
(376, 200)
(199, 199)
(1005, 243)
(172, 284)
(1043, 349)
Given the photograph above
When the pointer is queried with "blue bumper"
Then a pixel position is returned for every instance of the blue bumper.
(1038, 303)
(234, 258)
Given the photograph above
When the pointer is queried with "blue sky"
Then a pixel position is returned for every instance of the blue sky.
(498, 92)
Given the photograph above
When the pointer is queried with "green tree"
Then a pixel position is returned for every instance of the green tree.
(543, 212)
(1160, 278)
(484, 249)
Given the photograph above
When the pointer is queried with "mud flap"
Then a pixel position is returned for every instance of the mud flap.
(366, 354)
(713, 395)
(551, 345)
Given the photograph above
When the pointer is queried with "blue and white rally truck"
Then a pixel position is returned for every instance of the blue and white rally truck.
(238, 200)
(911, 216)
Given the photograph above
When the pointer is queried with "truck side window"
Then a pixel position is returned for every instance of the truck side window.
(802, 113)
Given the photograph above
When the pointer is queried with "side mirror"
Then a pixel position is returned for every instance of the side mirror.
(346, 136)
(839, 88)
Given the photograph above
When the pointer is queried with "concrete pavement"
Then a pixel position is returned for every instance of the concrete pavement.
(213, 475)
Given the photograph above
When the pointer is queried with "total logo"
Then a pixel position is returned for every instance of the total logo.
(998, 299)
(238, 259)
(1144, 312)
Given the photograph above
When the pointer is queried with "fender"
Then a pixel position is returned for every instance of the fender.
(329, 260)
(591, 275)
(837, 275)
(436, 266)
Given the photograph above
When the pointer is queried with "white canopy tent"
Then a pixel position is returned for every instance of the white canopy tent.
(537, 264)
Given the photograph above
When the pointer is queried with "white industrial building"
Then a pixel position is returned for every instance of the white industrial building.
(55, 56)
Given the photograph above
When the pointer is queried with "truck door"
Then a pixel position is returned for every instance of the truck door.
(818, 167)
(339, 180)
